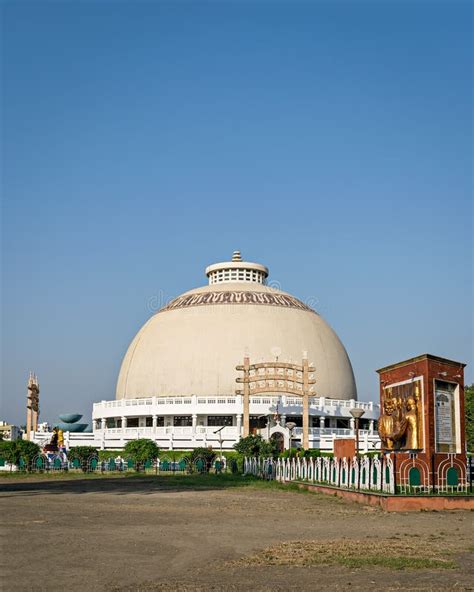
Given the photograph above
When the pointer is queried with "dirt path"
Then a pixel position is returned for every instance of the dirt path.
(133, 534)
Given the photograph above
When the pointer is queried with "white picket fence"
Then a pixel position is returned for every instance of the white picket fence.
(365, 473)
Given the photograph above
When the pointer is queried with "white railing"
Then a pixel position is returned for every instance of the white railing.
(228, 404)
(329, 431)
(371, 474)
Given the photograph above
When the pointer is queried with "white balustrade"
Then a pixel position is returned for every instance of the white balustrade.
(364, 473)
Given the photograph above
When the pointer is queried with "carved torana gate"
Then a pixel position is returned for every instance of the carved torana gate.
(276, 377)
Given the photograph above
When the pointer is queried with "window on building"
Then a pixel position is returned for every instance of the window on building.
(219, 420)
(132, 422)
(342, 423)
(160, 421)
(298, 419)
(182, 420)
(257, 422)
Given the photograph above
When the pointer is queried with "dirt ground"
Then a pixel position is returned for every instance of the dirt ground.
(123, 535)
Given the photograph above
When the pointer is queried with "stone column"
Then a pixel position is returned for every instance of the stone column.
(246, 430)
(322, 422)
(124, 423)
(305, 404)
(239, 423)
(371, 426)
(195, 417)
(103, 423)
(154, 421)
(352, 424)
(283, 420)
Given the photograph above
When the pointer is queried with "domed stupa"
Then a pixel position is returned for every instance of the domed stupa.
(193, 344)
(234, 357)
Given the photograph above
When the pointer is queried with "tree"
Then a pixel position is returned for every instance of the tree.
(82, 454)
(469, 416)
(141, 450)
(256, 446)
(12, 452)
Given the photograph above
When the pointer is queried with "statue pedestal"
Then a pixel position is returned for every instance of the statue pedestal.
(422, 421)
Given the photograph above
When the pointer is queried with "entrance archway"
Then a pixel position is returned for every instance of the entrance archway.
(277, 377)
(279, 438)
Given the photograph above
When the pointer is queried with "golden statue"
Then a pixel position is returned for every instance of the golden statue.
(401, 425)
(60, 438)
(409, 426)
(386, 427)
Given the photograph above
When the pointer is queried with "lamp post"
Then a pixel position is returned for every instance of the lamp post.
(357, 414)
(290, 425)
(219, 431)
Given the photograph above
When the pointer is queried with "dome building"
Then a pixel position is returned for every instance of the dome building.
(235, 354)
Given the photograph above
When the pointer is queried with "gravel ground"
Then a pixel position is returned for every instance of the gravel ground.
(123, 535)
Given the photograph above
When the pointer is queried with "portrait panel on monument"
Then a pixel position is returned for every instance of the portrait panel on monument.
(445, 416)
(401, 421)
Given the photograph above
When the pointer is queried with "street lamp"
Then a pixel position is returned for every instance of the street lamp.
(290, 425)
(219, 431)
(357, 414)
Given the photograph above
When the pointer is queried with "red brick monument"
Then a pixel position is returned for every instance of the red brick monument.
(422, 423)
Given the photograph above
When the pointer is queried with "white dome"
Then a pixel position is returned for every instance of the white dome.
(192, 345)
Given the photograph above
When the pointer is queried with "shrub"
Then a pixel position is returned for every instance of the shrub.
(82, 454)
(141, 450)
(256, 446)
(12, 452)
(311, 453)
(291, 453)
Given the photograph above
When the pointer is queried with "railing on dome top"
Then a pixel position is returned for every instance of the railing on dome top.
(318, 402)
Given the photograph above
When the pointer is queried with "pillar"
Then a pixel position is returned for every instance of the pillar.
(124, 423)
(239, 423)
(371, 426)
(246, 430)
(28, 422)
(352, 423)
(322, 422)
(305, 404)
(32, 405)
(366, 442)
(154, 421)
(194, 418)
(103, 423)
(283, 420)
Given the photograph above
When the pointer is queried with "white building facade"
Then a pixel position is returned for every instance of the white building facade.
(184, 423)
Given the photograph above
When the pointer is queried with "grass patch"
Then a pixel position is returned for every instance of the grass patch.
(397, 563)
(389, 554)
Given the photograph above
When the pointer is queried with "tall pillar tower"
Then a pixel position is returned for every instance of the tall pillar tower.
(32, 405)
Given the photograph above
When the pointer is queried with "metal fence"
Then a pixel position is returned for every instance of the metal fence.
(47, 463)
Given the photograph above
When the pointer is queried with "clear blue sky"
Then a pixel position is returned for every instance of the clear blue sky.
(144, 140)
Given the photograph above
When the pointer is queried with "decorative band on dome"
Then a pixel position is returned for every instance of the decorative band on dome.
(236, 297)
